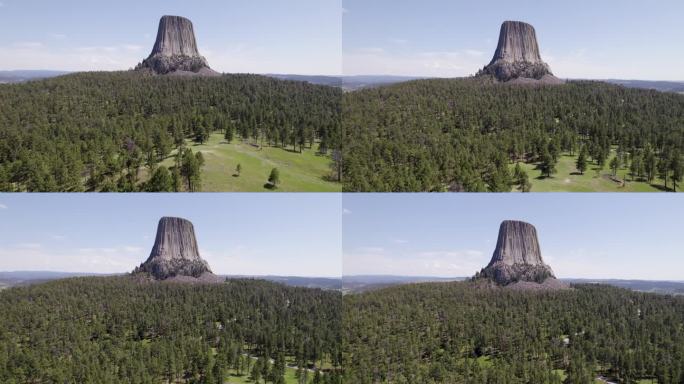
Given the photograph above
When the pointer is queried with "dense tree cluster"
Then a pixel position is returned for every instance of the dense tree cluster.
(96, 131)
(124, 330)
(457, 333)
(463, 134)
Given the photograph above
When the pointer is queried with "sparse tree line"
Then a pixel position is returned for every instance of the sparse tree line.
(99, 131)
(466, 134)
(456, 333)
(121, 330)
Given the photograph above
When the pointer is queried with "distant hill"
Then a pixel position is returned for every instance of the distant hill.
(333, 81)
(362, 283)
(662, 86)
(7, 77)
(662, 287)
(348, 83)
(357, 284)
(296, 281)
(24, 278)
(353, 83)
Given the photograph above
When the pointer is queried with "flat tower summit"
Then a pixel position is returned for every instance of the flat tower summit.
(175, 50)
(175, 254)
(517, 259)
(517, 56)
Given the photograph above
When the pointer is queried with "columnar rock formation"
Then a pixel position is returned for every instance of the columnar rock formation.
(175, 51)
(517, 55)
(175, 253)
(517, 257)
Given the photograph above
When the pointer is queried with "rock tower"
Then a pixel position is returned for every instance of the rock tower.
(517, 56)
(175, 253)
(517, 257)
(175, 50)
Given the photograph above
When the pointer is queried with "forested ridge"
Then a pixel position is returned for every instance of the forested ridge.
(95, 131)
(464, 134)
(457, 333)
(127, 330)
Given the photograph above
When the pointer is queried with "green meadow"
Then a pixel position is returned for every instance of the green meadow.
(594, 179)
(299, 172)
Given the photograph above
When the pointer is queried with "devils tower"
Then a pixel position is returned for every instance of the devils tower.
(517, 56)
(175, 254)
(517, 257)
(175, 51)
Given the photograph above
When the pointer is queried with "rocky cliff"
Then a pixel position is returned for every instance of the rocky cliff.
(517, 55)
(175, 253)
(175, 50)
(517, 257)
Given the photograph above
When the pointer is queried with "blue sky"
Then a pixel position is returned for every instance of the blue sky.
(630, 39)
(243, 234)
(256, 36)
(629, 236)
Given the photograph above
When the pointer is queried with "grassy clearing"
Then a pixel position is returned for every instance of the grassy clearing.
(290, 372)
(299, 172)
(290, 377)
(567, 179)
(485, 362)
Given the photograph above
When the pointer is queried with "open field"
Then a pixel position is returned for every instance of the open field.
(299, 172)
(290, 377)
(567, 179)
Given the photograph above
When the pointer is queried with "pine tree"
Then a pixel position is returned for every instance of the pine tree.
(581, 163)
(274, 178)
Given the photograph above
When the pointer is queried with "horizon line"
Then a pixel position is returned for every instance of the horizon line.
(559, 278)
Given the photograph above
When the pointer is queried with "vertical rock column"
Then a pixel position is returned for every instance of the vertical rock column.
(517, 256)
(175, 251)
(517, 54)
(175, 49)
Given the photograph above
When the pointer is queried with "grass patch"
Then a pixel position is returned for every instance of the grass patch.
(485, 362)
(561, 373)
(290, 378)
(299, 172)
(567, 179)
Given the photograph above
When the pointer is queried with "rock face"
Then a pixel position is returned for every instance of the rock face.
(517, 257)
(175, 253)
(175, 51)
(517, 55)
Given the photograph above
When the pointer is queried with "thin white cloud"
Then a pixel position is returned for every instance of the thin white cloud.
(378, 61)
(241, 57)
(346, 211)
(132, 47)
(474, 53)
(372, 50)
(35, 55)
(3, 206)
(29, 246)
(377, 260)
(248, 261)
(28, 44)
(58, 36)
(29, 256)
(58, 237)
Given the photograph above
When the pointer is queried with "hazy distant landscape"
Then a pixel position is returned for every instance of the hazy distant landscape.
(25, 278)
(356, 82)
(358, 284)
